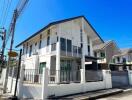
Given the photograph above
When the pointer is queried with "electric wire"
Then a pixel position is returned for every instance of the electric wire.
(2, 12)
(7, 12)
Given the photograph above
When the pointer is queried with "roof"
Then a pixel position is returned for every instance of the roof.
(103, 45)
(124, 51)
(58, 22)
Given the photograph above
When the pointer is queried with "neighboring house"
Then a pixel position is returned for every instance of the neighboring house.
(105, 52)
(61, 45)
(123, 58)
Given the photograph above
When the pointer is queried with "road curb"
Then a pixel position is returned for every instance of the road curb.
(104, 95)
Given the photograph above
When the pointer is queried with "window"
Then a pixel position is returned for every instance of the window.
(63, 44)
(79, 50)
(95, 54)
(88, 40)
(30, 51)
(48, 32)
(124, 60)
(23, 49)
(102, 54)
(40, 42)
(74, 49)
(118, 59)
(36, 44)
(81, 35)
(27, 49)
(69, 45)
(57, 38)
(88, 50)
(53, 47)
(42, 65)
(48, 40)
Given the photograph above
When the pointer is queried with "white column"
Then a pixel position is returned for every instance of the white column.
(45, 81)
(82, 75)
(57, 62)
(20, 93)
(83, 55)
(107, 78)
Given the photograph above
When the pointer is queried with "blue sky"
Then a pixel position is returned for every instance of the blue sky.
(112, 19)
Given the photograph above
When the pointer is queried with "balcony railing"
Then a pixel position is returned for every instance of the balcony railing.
(53, 47)
(32, 76)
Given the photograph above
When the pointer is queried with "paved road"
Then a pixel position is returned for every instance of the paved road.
(122, 96)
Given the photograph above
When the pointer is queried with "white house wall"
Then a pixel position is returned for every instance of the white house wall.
(68, 30)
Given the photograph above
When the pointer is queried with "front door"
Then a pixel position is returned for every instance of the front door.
(65, 72)
(42, 65)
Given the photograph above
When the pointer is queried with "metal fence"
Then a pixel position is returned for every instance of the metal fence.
(66, 76)
(33, 76)
(93, 76)
(13, 72)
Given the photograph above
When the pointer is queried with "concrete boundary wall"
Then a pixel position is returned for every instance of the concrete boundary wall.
(36, 91)
(66, 89)
(11, 85)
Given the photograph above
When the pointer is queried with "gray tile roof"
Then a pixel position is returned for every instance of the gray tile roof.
(102, 46)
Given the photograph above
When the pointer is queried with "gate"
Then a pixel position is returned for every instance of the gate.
(119, 79)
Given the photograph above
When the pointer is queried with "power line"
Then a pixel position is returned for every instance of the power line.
(6, 13)
(2, 11)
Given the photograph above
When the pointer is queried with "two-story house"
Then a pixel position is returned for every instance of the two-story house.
(123, 60)
(105, 52)
(61, 45)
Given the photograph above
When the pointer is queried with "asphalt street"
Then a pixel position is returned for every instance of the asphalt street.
(127, 95)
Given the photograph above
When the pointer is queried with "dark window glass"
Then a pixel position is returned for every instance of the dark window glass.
(57, 38)
(81, 45)
(23, 49)
(63, 44)
(69, 45)
(74, 49)
(88, 40)
(30, 51)
(81, 35)
(102, 54)
(118, 59)
(95, 54)
(48, 40)
(42, 65)
(40, 43)
(79, 50)
(35, 43)
(88, 50)
(124, 60)
(48, 32)
(27, 49)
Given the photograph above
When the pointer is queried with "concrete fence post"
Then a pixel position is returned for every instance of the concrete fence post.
(82, 75)
(20, 85)
(12, 76)
(130, 76)
(3, 75)
(45, 80)
(107, 78)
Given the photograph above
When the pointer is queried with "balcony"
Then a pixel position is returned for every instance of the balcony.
(102, 60)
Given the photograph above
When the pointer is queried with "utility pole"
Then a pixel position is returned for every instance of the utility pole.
(12, 30)
(16, 14)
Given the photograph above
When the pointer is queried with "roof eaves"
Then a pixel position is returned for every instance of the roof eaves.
(52, 23)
